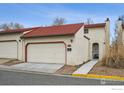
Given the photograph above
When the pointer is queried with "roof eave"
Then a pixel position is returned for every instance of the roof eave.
(95, 27)
(46, 36)
(99, 25)
(11, 32)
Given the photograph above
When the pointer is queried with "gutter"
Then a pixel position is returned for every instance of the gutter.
(46, 36)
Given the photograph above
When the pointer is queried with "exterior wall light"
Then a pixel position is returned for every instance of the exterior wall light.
(19, 40)
(71, 40)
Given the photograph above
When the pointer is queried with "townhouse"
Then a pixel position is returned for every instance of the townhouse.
(70, 44)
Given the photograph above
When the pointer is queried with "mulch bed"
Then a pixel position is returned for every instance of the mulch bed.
(66, 70)
(12, 63)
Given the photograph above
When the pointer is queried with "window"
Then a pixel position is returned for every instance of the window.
(69, 49)
(86, 31)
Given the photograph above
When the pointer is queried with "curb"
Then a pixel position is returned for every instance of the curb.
(99, 76)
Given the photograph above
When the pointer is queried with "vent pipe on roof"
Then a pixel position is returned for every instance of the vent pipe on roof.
(107, 19)
(119, 19)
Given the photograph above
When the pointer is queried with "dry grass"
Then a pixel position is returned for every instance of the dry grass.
(114, 56)
(99, 69)
(112, 64)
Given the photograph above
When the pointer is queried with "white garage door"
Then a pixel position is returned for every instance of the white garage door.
(46, 53)
(8, 49)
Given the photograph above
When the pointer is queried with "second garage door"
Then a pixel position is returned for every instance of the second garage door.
(46, 53)
(8, 49)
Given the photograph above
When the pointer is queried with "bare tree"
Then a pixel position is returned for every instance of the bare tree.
(115, 57)
(59, 21)
(89, 21)
(116, 34)
(7, 26)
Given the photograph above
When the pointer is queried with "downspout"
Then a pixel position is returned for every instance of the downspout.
(22, 48)
(88, 46)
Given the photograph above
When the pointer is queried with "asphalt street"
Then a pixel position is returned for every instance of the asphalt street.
(25, 78)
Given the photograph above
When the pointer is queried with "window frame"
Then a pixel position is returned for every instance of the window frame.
(86, 30)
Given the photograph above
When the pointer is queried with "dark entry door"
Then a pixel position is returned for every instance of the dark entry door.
(95, 51)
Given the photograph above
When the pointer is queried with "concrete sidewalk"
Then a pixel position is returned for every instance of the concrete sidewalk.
(84, 69)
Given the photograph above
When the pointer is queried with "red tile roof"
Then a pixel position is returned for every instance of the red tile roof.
(94, 25)
(67, 29)
(17, 30)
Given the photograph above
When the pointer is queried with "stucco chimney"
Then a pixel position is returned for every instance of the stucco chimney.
(119, 31)
(107, 33)
(107, 19)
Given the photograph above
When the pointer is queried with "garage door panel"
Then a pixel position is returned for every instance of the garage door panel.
(8, 49)
(46, 53)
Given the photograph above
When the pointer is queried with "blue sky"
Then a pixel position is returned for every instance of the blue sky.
(43, 14)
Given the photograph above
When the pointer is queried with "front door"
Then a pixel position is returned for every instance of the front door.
(95, 51)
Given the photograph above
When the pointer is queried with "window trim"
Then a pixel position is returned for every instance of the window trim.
(86, 31)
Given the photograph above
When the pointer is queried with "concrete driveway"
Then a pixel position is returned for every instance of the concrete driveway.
(39, 67)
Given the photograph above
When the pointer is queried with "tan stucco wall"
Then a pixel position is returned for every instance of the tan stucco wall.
(79, 53)
(14, 36)
(65, 39)
(80, 45)
(97, 35)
